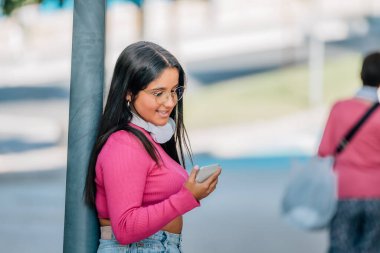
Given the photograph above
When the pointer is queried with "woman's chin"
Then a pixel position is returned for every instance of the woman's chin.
(161, 121)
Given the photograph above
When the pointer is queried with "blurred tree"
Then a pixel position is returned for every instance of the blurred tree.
(11, 5)
(140, 17)
(139, 3)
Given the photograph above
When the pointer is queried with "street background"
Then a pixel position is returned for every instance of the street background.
(261, 78)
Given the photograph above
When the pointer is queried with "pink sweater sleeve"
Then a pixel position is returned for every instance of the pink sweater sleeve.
(125, 166)
(328, 145)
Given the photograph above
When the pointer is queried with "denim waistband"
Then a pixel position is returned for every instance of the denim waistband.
(167, 236)
(107, 234)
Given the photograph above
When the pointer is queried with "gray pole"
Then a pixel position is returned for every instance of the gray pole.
(316, 57)
(86, 102)
(316, 70)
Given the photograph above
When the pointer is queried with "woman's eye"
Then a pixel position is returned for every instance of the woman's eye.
(157, 93)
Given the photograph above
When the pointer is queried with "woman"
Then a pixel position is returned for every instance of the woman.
(356, 225)
(135, 179)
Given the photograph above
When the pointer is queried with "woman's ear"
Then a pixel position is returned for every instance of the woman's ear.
(128, 97)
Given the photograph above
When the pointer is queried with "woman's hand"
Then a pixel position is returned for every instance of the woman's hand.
(202, 190)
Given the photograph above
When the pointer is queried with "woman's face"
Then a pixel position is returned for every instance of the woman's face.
(146, 104)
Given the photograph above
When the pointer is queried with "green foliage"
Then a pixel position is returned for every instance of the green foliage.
(10, 5)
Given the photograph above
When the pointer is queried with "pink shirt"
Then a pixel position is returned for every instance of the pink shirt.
(358, 166)
(137, 195)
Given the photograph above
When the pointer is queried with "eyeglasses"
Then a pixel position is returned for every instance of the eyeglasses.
(163, 96)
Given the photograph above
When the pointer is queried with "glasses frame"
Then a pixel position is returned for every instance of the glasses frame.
(172, 93)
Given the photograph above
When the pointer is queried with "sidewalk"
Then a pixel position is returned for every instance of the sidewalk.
(295, 134)
(243, 213)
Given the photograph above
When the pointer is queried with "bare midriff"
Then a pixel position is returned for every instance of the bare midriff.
(175, 226)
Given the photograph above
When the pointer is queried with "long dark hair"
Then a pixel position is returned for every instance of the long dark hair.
(139, 64)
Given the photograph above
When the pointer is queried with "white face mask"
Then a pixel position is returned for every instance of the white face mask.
(160, 134)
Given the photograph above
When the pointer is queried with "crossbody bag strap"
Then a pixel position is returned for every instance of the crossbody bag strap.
(343, 143)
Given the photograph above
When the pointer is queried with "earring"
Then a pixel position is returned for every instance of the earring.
(128, 104)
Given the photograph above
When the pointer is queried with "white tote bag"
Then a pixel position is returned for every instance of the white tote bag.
(310, 198)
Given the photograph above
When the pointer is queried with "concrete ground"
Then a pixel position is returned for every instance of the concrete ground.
(242, 215)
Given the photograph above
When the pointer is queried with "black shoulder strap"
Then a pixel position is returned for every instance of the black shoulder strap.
(343, 143)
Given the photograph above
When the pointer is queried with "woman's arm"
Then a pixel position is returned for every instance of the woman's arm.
(328, 144)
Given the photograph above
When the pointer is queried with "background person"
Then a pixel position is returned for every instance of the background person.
(356, 225)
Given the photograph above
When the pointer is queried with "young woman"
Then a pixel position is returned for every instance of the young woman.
(135, 180)
(356, 225)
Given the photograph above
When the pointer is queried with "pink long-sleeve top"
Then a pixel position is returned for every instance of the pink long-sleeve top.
(358, 166)
(136, 194)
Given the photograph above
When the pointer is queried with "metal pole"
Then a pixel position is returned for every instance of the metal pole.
(316, 70)
(86, 102)
(316, 57)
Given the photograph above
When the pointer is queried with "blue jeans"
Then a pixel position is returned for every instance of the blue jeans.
(160, 242)
(356, 227)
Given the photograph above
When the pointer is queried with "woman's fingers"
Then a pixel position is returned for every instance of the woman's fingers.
(202, 190)
(213, 177)
(193, 173)
(212, 186)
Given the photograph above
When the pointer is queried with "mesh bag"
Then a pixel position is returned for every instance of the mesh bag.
(310, 198)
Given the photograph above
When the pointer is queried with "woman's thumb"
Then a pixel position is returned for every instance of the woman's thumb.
(194, 173)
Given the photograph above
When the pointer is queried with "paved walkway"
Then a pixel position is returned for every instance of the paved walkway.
(242, 215)
(295, 134)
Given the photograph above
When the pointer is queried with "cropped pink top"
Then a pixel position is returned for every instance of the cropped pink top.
(134, 192)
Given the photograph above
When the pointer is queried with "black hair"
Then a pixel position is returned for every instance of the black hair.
(139, 64)
(370, 73)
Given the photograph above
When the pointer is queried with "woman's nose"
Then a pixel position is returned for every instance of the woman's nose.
(170, 101)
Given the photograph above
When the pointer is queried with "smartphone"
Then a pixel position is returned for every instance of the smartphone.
(205, 172)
